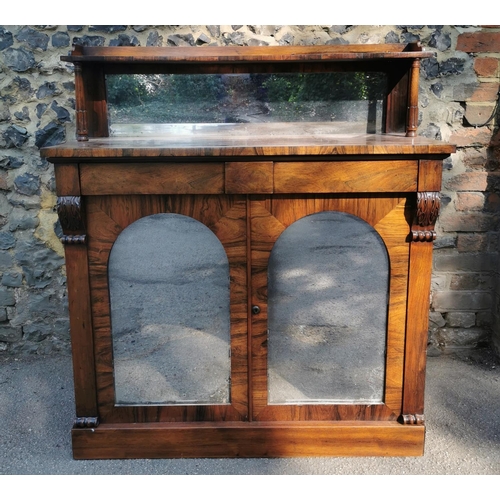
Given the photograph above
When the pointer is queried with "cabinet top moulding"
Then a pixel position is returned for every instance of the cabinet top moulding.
(230, 54)
(258, 145)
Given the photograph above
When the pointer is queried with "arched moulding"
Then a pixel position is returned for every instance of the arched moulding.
(327, 312)
(169, 295)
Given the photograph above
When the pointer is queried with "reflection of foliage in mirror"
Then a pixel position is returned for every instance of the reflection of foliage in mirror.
(143, 89)
(234, 98)
(325, 86)
(164, 98)
(126, 90)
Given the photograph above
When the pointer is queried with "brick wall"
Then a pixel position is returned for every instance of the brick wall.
(458, 90)
(465, 285)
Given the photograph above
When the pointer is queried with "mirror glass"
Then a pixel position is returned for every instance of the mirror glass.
(350, 102)
(169, 294)
(327, 312)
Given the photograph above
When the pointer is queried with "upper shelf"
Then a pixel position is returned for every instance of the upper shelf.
(231, 54)
(391, 107)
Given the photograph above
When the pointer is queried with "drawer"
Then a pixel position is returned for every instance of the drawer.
(375, 176)
(152, 178)
(253, 177)
(249, 177)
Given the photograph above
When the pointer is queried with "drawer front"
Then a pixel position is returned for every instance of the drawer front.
(346, 176)
(254, 177)
(152, 178)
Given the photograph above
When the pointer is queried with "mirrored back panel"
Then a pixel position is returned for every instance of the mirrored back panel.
(350, 102)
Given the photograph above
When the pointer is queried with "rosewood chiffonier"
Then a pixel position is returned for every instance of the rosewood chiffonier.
(248, 235)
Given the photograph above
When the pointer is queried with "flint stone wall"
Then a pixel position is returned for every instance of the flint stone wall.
(458, 91)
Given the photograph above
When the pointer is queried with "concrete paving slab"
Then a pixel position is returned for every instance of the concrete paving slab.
(462, 415)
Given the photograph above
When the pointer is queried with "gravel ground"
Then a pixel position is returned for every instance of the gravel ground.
(462, 416)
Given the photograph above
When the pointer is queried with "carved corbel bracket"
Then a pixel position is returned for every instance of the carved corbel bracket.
(428, 204)
(413, 419)
(70, 212)
(86, 422)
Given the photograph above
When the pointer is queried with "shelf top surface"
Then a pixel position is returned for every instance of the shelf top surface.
(223, 140)
(236, 54)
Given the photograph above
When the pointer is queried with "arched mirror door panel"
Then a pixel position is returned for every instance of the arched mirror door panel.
(168, 287)
(327, 312)
(329, 279)
(169, 296)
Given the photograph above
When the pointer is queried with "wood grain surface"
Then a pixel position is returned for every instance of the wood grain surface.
(251, 177)
(249, 139)
(235, 54)
(270, 217)
(226, 439)
(152, 178)
(345, 176)
(225, 216)
(251, 439)
(249, 182)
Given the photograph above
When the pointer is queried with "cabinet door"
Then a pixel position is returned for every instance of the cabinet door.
(329, 285)
(169, 304)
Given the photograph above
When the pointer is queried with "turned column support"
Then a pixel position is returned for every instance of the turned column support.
(82, 133)
(412, 114)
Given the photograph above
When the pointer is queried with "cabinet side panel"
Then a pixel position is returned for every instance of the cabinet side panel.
(416, 327)
(67, 179)
(69, 208)
(430, 173)
(82, 341)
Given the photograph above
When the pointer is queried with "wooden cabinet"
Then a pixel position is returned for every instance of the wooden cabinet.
(301, 328)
